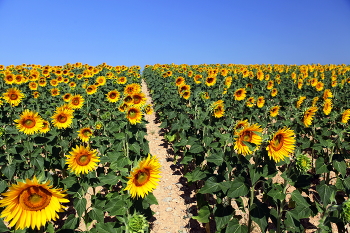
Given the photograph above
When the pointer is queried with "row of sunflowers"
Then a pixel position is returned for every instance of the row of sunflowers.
(267, 146)
(72, 149)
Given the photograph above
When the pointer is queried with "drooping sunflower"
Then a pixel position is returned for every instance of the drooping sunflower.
(148, 109)
(82, 160)
(260, 102)
(300, 101)
(282, 144)
(314, 101)
(300, 84)
(13, 96)
(327, 106)
(85, 134)
(31, 204)
(240, 94)
(210, 80)
(46, 127)
(250, 102)
(197, 78)
(308, 116)
(218, 109)
(91, 89)
(249, 134)
(134, 115)
(29, 122)
(76, 101)
(274, 92)
(62, 118)
(144, 178)
(274, 111)
(113, 96)
(345, 116)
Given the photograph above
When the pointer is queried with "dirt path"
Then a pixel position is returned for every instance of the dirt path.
(169, 214)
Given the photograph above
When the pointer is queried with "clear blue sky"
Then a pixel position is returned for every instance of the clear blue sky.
(130, 32)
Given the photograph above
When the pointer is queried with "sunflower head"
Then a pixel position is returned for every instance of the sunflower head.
(274, 111)
(113, 96)
(134, 115)
(210, 80)
(247, 138)
(281, 145)
(240, 94)
(260, 102)
(137, 223)
(144, 178)
(82, 160)
(13, 96)
(31, 204)
(29, 122)
(85, 134)
(63, 118)
(303, 162)
(76, 102)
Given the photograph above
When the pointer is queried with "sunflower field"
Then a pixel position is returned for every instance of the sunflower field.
(70, 135)
(266, 146)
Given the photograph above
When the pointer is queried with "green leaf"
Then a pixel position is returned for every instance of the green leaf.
(196, 148)
(321, 167)
(234, 227)
(71, 222)
(151, 199)
(39, 163)
(347, 182)
(238, 189)
(195, 175)
(216, 159)
(203, 215)
(299, 199)
(340, 166)
(3, 185)
(3, 227)
(135, 147)
(117, 207)
(210, 186)
(9, 171)
(110, 178)
(96, 214)
(277, 192)
(326, 193)
(291, 223)
(107, 227)
(222, 214)
(80, 206)
(119, 136)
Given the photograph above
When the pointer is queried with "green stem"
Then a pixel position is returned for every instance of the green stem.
(251, 201)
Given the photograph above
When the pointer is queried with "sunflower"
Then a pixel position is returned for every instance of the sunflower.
(36, 94)
(85, 134)
(101, 80)
(300, 101)
(183, 88)
(92, 89)
(9, 78)
(308, 116)
(274, 92)
(313, 82)
(55, 91)
(29, 122)
(240, 125)
(42, 82)
(148, 109)
(31, 204)
(113, 96)
(319, 86)
(334, 83)
(13, 96)
(33, 86)
(249, 134)
(345, 116)
(76, 102)
(314, 101)
(144, 178)
(54, 82)
(46, 127)
(128, 100)
(197, 78)
(327, 106)
(121, 80)
(139, 99)
(228, 81)
(205, 95)
(18, 79)
(186, 94)
(327, 94)
(134, 115)
(269, 85)
(218, 109)
(274, 111)
(123, 107)
(210, 80)
(260, 102)
(72, 85)
(281, 145)
(240, 94)
(62, 118)
(300, 84)
(179, 81)
(260, 75)
(132, 88)
(82, 160)
(66, 97)
(250, 102)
